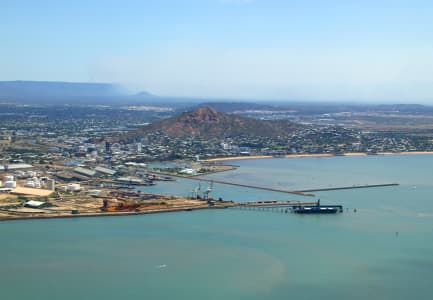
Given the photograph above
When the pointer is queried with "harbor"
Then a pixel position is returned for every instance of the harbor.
(95, 191)
(258, 236)
(126, 196)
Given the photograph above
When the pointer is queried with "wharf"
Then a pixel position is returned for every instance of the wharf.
(273, 203)
(291, 206)
(32, 216)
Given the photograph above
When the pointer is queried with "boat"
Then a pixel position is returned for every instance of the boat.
(317, 209)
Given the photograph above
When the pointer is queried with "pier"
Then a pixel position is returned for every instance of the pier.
(297, 207)
(272, 206)
(272, 203)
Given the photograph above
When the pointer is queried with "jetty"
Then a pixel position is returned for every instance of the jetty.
(297, 207)
(272, 203)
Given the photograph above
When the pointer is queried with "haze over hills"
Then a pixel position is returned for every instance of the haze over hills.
(207, 122)
(53, 92)
(76, 93)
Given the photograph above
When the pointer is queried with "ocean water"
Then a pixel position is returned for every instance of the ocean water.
(384, 250)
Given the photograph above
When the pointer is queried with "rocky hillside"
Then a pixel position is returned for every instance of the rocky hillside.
(207, 122)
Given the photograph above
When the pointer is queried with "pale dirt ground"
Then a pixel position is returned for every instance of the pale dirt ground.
(7, 196)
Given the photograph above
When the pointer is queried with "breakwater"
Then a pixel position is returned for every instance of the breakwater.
(303, 192)
(299, 193)
(365, 186)
(238, 184)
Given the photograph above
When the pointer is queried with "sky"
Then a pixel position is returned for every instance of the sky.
(332, 50)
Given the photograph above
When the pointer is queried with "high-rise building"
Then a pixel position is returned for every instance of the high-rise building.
(107, 147)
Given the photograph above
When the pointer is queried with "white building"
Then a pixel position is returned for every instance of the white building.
(10, 184)
(73, 187)
(51, 184)
(105, 171)
(85, 172)
(188, 171)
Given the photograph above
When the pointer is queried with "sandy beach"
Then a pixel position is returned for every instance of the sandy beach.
(222, 159)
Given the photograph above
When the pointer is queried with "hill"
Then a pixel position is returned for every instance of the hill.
(207, 122)
(55, 92)
(229, 107)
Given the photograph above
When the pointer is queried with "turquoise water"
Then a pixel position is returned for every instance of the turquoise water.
(239, 254)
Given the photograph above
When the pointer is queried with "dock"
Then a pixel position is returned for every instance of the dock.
(272, 206)
(297, 207)
(32, 216)
(271, 203)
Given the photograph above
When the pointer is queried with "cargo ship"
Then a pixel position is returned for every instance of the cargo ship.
(317, 209)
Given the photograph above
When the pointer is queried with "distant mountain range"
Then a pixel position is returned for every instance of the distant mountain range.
(51, 92)
(76, 93)
(207, 122)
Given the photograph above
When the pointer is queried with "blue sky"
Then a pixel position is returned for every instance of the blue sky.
(259, 49)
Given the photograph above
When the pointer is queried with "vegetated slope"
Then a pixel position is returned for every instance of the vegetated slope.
(207, 122)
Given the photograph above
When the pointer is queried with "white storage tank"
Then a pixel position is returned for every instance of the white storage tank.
(37, 182)
(94, 193)
(31, 174)
(10, 184)
(30, 184)
(74, 187)
(20, 174)
(9, 178)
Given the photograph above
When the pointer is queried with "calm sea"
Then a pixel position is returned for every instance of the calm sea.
(384, 250)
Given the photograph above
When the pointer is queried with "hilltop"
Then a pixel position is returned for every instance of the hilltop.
(207, 122)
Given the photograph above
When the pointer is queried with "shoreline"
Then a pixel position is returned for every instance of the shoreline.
(111, 214)
(222, 159)
(197, 177)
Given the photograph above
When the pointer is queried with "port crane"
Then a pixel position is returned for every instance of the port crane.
(195, 192)
(207, 193)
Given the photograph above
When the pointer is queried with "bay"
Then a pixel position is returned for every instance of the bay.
(381, 251)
